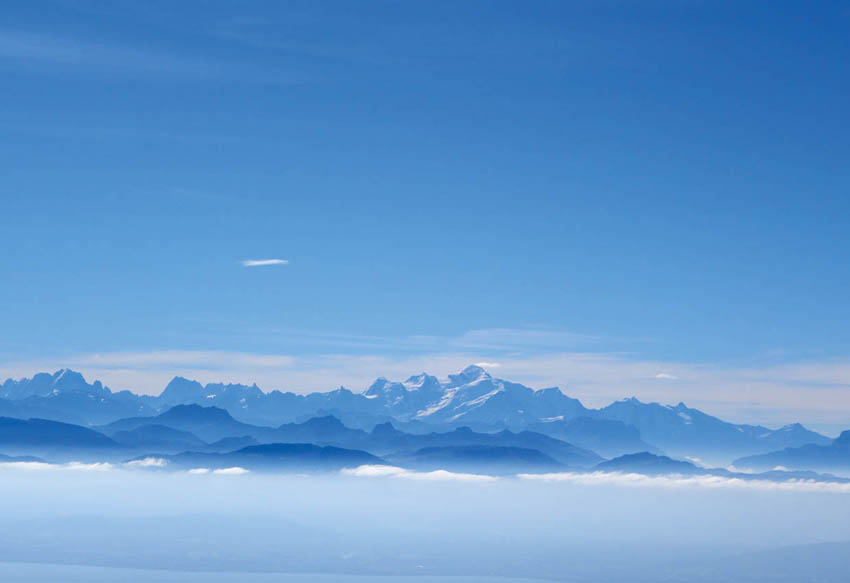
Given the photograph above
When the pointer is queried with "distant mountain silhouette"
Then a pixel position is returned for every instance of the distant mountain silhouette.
(656, 465)
(207, 423)
(66, 396)
(385, 438)
(277, 457)
(45, 433)
(421, 404)
(176, 429)
(231, 443)
(681, 430)
(607, 437)
(832, 457)
(20, 458)
(159, 438)
(488, 459)
(325, 429)
(648, 464)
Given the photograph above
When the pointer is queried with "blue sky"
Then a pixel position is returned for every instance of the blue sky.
(655, 185)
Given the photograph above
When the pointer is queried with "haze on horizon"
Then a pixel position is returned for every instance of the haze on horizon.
(512, 527)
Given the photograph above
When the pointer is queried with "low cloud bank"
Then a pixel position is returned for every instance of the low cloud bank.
(43, 466)
(680, 481)
(670, 481)
(148, 462)
(396, 472)
(235, 471)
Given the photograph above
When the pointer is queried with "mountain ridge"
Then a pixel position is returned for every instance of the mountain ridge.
(420, 404)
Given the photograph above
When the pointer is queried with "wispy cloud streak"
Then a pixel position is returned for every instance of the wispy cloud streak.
(263, 262)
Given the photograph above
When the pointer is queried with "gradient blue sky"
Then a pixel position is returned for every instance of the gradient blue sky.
(658, 185)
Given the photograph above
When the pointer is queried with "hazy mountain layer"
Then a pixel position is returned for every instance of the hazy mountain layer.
(421, 404)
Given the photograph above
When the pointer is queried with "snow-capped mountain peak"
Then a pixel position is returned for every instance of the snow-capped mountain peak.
(470, 374)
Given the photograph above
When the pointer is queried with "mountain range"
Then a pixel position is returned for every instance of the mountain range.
(649, 464)
(276, 457)
(391, 417)
(832, 457)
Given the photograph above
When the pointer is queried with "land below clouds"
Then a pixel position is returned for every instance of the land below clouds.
(342, 523)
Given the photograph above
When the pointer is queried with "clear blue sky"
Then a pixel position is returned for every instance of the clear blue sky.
(666, 179)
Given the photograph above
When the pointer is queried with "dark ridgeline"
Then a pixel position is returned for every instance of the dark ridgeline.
(276, 457)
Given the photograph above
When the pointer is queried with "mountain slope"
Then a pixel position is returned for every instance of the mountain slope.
(43, 432)
(648, 464)
(277, 457)
(386, 439)
(607, 437)
(158, 437)
(681, 430)
(485, 459)
(66, 396)
(834, 457)
(207, 423)
(476, 399)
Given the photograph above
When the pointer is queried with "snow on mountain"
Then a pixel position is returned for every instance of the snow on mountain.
(408, 398)
(46, 385)
(679, 429)
(420, 404)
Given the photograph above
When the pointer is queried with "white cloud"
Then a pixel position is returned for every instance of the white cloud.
(395, 472)
(678, 481)
(262, 262)
(199, 471)
(234, 471)
(96, 466)
(148, 462)
(666, 376)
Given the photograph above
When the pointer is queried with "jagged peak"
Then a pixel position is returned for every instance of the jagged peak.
(377, 385)
(473, 370)
(468, 375)
(631, 399)
(385, 428)
(324, 421)
(180, 380)
(68, 376)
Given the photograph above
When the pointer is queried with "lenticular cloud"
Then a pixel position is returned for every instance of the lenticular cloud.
(264, 262)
